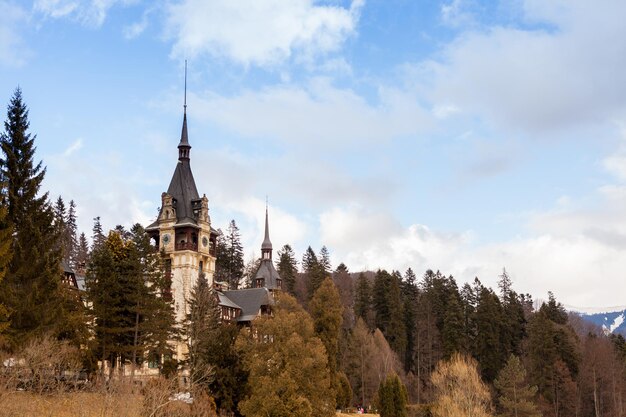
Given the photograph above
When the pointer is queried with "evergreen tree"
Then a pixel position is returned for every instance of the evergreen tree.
(235, 255)
(82, 252)
(32, 289)
(388, 308)
(343, 281)
(286, 361)
(71, 234)
(363, 300)
(410, 294)
(5, 257)
(313, 271)
(287, 268)
(154, 314)
(516, 396)
(326, 311)
(392, 397)
(97, 236)
(453, 332)
(229, 266)
(489, 323)
(514, 326)
(126, 288)
(324, 259)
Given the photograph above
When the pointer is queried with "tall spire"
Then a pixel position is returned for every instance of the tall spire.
(266, 246)
(183, 146)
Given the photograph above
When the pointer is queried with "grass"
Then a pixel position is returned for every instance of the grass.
(80, 404)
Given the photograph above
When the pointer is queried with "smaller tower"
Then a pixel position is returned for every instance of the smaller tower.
(267, 276)
(266, 246)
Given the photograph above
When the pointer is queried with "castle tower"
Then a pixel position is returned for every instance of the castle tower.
(267, 276)
(183, 234)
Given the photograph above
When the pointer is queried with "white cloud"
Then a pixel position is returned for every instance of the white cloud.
(73, 147)
(260, 32)
(581, 270)
(318, 114)
(13, 52)
(456, 13)
(136, 29)
(566, 72)
(88, 12)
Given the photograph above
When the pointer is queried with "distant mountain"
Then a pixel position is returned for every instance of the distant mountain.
(612, 319)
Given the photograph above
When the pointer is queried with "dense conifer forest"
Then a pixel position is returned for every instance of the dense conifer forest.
(403, 342)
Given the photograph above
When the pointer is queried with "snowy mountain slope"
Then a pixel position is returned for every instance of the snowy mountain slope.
(612, 320)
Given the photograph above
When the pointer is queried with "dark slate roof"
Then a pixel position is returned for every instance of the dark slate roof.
(66, 267)
(269, 274)
(225, 301)
(183, 189)
(250, 300)
(267, 244)
(80, 282)
(184, 138)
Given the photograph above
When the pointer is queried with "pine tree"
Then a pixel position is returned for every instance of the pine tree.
(97, 237)
(514, 328)
(286, 361)
(489, 323)
(5, 257)
(326, 311)
(235, 255)
(202, 323)
(71, 234)
(392, 397)
(410, 294)
(324, 259)
(82, 252)
(31, 289)
(363, 300)
(313, 271)
(516, 396)
(154, 315)
(229, 266)
(388, 308)
(287, 268)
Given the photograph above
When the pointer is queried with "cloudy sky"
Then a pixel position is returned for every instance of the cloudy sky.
(459, 135)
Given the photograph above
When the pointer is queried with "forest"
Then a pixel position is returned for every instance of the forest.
(402, 343)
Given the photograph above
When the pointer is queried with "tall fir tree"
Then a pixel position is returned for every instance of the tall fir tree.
(489, 323)
(410, 294)
(287, 268)
(326, 311)
(82, 253)
(5, 257)
(31, 289)
(516, 396)
(363, 300)
(229, 266)
(71, 234)
(313, 271)
(324, 259)
(97, 235)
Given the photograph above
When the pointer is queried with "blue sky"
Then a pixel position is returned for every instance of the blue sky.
(459, 135)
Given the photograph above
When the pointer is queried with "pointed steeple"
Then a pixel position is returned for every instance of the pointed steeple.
(266, 246)
(183, 146)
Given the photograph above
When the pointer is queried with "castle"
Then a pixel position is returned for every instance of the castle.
(183, 233)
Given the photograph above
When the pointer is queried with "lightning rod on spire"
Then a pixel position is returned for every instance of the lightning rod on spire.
(185, 105)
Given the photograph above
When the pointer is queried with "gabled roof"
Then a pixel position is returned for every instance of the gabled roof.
(269, 274)
(183, 189)
(250, 301)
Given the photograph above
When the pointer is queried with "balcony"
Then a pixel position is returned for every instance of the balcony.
(186, 246)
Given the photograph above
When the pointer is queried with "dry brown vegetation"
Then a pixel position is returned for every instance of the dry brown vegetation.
(87, 404)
